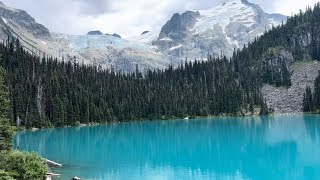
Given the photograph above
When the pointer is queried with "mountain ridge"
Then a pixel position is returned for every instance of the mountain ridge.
(197, 34)
(225, 27)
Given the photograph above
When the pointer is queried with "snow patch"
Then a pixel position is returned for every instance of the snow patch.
(175, 47)
(100, 42)
(43, 42)
(233, 11)
(166, 39)
(274, 22)
(249, 24)
(230, 41)
(4, 20)
(145, 38)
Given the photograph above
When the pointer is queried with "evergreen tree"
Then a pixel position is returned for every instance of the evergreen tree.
(317, 92)
(308, 103)
(6, 131)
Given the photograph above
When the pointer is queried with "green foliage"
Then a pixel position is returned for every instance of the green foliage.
(308, 101)
(317, 92)
(6, 131)
(275, 68)
(23, 166)
(264, 108)
(15, 165)
(311, 101)
(77, 124)
(274, 50)
(4, 96)
(5, 175)
(6, 135)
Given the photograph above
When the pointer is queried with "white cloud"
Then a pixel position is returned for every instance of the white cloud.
(289, 7)
(126, 17)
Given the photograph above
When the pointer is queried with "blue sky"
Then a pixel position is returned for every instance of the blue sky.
(127, 17)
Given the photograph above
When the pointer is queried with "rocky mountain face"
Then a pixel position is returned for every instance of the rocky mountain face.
(218, 30)
(22, 21)
(94, 33)
(94, 48)
(191, 35)
(18, 23)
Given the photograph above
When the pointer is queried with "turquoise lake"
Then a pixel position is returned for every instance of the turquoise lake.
(253, 148)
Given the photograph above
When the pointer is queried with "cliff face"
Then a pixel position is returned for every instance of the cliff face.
(19, 20)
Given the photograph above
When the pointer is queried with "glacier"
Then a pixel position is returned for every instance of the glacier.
(191, 35)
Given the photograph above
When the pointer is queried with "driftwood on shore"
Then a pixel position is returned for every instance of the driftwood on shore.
(51, 163)
(50, 175)
(55, 164)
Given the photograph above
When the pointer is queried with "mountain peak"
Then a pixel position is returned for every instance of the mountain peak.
(227, 26)
(233, 2)
(95, 32)
(20, 20)
(192, 35)
(116, 35)
(145, 32)
(4, 7)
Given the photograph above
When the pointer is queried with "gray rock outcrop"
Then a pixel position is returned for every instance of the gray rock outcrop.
(145, 32)
(20, 20)
(94, 33)
(276, 56)
(290, 100)
(116, 35)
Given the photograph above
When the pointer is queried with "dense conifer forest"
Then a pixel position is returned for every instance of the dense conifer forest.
(6, 131)
(15, 164)
(50, 92)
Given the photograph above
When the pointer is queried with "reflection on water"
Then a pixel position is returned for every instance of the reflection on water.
(275, 147)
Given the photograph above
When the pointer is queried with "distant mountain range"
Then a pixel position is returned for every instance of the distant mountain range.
(191, 35)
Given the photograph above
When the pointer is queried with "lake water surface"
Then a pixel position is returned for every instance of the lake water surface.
(257, 148)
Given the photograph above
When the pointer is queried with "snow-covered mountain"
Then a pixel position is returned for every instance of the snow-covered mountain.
(191, 35)
(220, 29)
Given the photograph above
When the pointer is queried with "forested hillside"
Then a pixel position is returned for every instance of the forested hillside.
(48, 92)
(15, 164)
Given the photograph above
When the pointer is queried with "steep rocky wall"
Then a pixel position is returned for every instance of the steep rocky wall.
(285, 101)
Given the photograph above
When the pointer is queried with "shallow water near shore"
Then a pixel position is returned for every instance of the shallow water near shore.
(257, 148)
